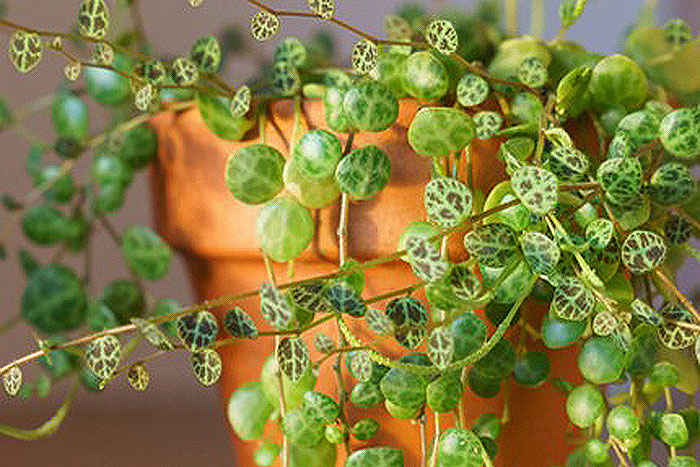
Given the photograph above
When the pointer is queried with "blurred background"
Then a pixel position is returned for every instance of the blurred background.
(177, 422)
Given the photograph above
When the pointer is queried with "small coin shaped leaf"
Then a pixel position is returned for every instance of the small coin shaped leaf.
(102, 356)
(345, 299)
(323, 8)
(487, 124)
(671, 183)
(572, 300)
(379, 322)
(442, 36)
(320, 407)
(364, 56)
(293, 357)
(286, 80)
(584, 405)
(317, 154)
(197, 330)
(491, 244)
(102, 54)
(301, 429)
(366, 394)
(532, 72)
(364, 172)
(645, 313)
(72, 71)
(264, 25)
(145, 96)
(567, 163)
(240, 103)
(599, 233)
(643, 251)
(93, 19)
(285, 228)
(673, 335)
(604, 323)
(459, 447)
(239, 324)
(274, 308)
(472, 90)
(679, 132)
(409, 316)
(25, 51)
(541, 252)
(440, 131)
(207, 366)
(621, 179)
(184, 72)
(153, 335)
(677, 230)
(365, 429)
(323, 343)
(370, 106)
(376, 457)
(448, 201)
(441, 346)
(146, 252)
(12, 381)
(309, 297)
(424, 77)
(138, 377)
(425, 259)
(536, 188)
(254, 173)
(444, 393)
(677, 32)
(360, 365)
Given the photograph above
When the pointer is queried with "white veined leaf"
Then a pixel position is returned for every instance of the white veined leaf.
(197, 330)
(425, 259)
(323, 8)
(264, 25)
(138, 377)
(274, 307)
(293, 357)
(153, 335)
(206, 364)
(364, 56)
(323, 343)
(12, 381)
(195, 3)
(379, 322)
(103, 355)
(537, 188)
(72, 71)
(441, 346)
(240, 104)
(442, 36)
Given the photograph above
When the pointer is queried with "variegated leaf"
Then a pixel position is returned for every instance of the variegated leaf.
(320, 407)
(441, 346)
(604, 323)
(425, 259)
(410, 317)
(673, 335)
(491, 244)
(264, 25)
(207, 366)
(240, 103)
(323, 8)
(448, 201)
(572, 300)
(152, 334)
(345, 299)
(103, 355)
(138, 377)
(599, 233)
(442, 36)
(239, 324)
(645, 313)
(197, 330)
(360, 365)
(537, 189)
(364, 56)
(643, 251)
(12, 381)
(379, 322)
(293, 357)
(274, 307)
(541, 252)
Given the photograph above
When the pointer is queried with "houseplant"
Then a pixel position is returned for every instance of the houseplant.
(594, 232)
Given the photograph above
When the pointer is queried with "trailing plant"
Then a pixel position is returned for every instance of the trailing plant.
(596, 235)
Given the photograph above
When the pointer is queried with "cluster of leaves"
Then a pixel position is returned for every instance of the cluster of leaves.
(593, 233)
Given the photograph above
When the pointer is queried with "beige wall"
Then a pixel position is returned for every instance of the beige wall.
(175, 423)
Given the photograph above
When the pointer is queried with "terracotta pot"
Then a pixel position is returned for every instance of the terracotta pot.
(215, 234)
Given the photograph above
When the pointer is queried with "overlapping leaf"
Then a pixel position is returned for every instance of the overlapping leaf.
(491, 244)
(425, 259)
(293, 357)
(239, 324)
(274, 307)
(207, 366)
(197, 330)
(536, 188)
(102, 356)
(448, 201)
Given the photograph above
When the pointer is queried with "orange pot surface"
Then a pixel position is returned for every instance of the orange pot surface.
(215, 233)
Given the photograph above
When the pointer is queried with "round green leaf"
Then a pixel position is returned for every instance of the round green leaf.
(440, 131)
(54, 300)
(146, 253)
(248, 411)
(364, 172)
(447, 201)
(254, 173)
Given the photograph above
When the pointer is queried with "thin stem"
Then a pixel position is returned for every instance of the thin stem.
(668, 399)
(436, 439)
(423, 441)
(618, 452)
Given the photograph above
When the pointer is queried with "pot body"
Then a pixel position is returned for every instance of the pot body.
(197, 215)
